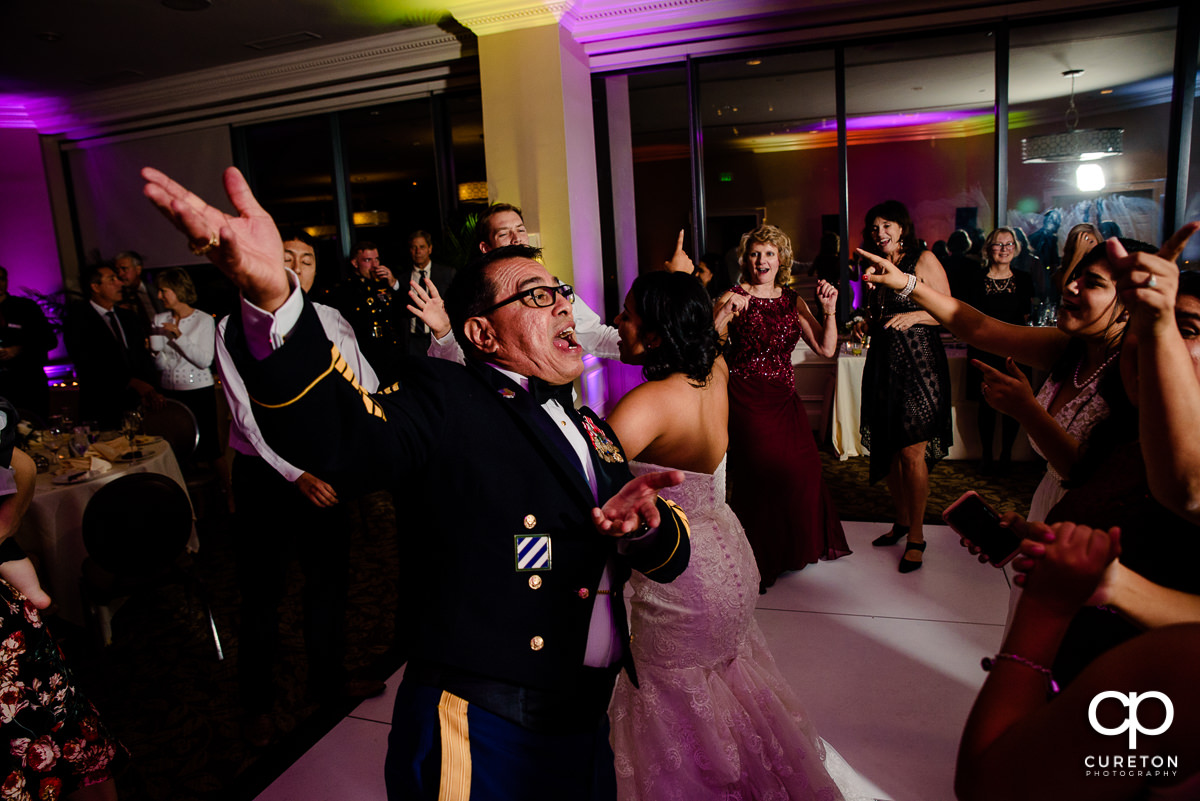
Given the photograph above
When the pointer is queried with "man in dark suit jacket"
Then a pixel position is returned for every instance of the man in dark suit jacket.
(518, 536)
(25, 339)
(414, 332)
(108, 347)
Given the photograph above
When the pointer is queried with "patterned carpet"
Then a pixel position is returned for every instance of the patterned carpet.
(160, 687)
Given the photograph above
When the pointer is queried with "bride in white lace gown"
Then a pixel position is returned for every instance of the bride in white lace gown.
(711, 717)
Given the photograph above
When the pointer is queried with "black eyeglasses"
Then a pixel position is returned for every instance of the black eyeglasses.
(539, 296)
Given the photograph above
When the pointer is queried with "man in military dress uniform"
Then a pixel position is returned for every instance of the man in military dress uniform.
(521, 536)
(371, 301)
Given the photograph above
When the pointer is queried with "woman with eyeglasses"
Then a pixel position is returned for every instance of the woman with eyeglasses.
(1005, 294)
(774, 467)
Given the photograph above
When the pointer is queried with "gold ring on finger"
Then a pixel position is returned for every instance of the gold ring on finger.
(203, 250)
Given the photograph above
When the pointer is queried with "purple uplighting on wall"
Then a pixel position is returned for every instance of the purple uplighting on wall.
(875, 121)
(28, 247)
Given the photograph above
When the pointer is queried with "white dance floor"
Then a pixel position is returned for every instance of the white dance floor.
(886, 664)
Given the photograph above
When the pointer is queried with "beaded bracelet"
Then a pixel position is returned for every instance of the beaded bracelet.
(909, 287)
(989, 663)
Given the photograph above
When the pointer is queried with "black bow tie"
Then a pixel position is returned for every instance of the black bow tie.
(543, 392)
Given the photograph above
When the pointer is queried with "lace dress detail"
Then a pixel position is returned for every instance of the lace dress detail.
(906, 385)
(1077, 417)
(712, 717)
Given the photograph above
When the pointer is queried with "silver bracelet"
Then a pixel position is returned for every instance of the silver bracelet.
(988, 664)
(908, 288)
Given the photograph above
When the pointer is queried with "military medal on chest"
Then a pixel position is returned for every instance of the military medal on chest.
(601, 444)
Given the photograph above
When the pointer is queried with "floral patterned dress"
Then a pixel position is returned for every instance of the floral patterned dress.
(56, 741)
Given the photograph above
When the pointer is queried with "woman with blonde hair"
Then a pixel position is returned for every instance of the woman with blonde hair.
(183, 342)
(774, 467)
(1002, 292)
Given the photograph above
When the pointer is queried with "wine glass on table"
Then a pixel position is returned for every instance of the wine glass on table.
(131, 426)
(53, 439)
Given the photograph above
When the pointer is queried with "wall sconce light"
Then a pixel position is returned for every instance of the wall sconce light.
(473, 192)
(363, 219)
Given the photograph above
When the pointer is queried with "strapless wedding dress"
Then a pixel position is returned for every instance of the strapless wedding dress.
(713, 718)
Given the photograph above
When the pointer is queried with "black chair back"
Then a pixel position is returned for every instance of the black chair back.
(137, 524)
(175, 423)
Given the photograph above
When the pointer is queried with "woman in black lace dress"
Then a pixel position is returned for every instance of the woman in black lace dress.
(906, 380)
(1006, 294)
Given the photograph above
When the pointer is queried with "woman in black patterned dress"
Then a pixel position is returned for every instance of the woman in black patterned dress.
(906, 380)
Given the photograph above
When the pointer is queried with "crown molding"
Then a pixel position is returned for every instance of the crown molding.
(485, 17)
(265, 80)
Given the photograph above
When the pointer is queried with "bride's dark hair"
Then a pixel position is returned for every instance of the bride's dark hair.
(677, 308)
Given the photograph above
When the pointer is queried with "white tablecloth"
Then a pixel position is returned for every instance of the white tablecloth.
(53, 526)
(847, 404)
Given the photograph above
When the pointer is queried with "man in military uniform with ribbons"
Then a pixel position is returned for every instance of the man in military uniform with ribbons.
(530, 522)
(371, 301)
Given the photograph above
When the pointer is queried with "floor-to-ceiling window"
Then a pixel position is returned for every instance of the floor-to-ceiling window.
(290, 165)
(662, 174)
(1191, 256)
(921, 118)
(769, 127)
(375, 173)
(1077, 89)
(920, 129)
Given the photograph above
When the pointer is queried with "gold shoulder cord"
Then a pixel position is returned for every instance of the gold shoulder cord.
(337, 365)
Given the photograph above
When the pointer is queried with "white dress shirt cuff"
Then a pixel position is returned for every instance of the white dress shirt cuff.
(266, 332)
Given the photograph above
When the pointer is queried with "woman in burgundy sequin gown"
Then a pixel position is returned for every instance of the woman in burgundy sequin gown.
(774, 468)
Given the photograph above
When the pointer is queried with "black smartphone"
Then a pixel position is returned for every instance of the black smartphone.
(979, 523)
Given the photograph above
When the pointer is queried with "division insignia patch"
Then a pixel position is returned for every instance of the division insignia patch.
(532, 553)
(604, 446)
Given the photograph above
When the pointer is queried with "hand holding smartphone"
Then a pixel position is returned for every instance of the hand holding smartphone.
(978, 523)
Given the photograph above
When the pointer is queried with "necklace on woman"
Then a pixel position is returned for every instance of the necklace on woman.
(1095, 374)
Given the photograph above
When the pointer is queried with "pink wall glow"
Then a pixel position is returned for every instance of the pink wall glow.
(27, 242)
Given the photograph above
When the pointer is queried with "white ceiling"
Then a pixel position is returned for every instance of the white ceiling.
(70, 48)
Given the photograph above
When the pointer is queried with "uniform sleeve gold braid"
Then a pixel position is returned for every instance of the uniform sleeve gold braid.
(305, 391)
(682, 526)
(337, 365)
(389, 390)
(340, 365)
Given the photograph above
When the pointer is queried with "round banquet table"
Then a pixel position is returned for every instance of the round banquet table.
(52, 530)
